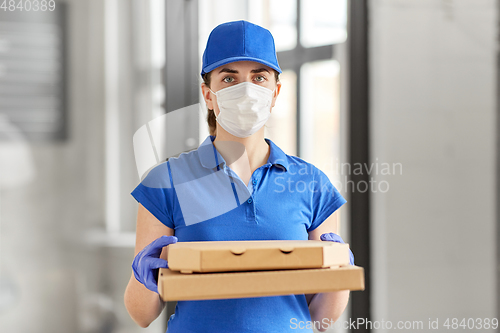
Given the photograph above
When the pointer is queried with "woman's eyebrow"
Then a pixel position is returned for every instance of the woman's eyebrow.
(259, 70)
(229, 70)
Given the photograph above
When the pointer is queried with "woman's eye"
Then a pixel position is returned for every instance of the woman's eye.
(228, 79)
(260, 78)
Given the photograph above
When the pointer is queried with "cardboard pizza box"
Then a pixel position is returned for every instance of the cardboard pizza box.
(222, 256)
(176, 286)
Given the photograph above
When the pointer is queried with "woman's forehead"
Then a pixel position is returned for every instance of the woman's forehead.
(240, 66)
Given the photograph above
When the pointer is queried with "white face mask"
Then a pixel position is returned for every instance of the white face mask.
(244, 108)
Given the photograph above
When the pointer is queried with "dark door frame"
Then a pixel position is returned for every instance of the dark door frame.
(358, 151)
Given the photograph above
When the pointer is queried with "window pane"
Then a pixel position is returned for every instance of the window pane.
(320, 138)
(280, 17)
(323, 22)
(281, 127)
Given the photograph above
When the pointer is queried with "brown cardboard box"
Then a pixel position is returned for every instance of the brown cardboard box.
(221, 256)
(176, 286)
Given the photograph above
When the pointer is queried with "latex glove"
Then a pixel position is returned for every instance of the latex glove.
(147, 262)
(333, 237)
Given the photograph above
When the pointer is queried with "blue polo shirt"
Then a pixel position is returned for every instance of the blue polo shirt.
(202, 199)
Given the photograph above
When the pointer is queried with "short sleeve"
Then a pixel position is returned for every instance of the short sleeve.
(155, 193)
(326, 199)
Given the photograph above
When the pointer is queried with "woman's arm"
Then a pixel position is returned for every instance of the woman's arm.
(144, 305)
(329, 305)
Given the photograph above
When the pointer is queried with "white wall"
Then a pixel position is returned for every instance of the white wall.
(433, 106)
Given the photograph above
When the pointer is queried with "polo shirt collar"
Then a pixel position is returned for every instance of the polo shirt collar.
(211, 158)
(277, 156)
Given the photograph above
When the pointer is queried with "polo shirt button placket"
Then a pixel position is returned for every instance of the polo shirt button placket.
(249, 200)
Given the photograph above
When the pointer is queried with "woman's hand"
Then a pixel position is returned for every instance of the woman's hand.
(333, 237)
(147, 262)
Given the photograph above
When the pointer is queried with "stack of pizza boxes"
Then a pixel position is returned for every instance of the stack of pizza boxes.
(236, 269)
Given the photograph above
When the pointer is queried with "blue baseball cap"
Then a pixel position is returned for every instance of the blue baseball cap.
(237, 41)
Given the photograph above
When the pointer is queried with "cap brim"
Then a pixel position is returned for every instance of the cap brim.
(213, 66)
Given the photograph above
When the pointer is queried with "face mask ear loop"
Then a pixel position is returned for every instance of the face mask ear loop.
(216, 116)
(214, 111)
(272, 97)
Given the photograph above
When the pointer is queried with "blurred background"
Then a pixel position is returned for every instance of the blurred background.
(397, 101)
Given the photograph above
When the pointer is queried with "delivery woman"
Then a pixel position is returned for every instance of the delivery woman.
(237, 185)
